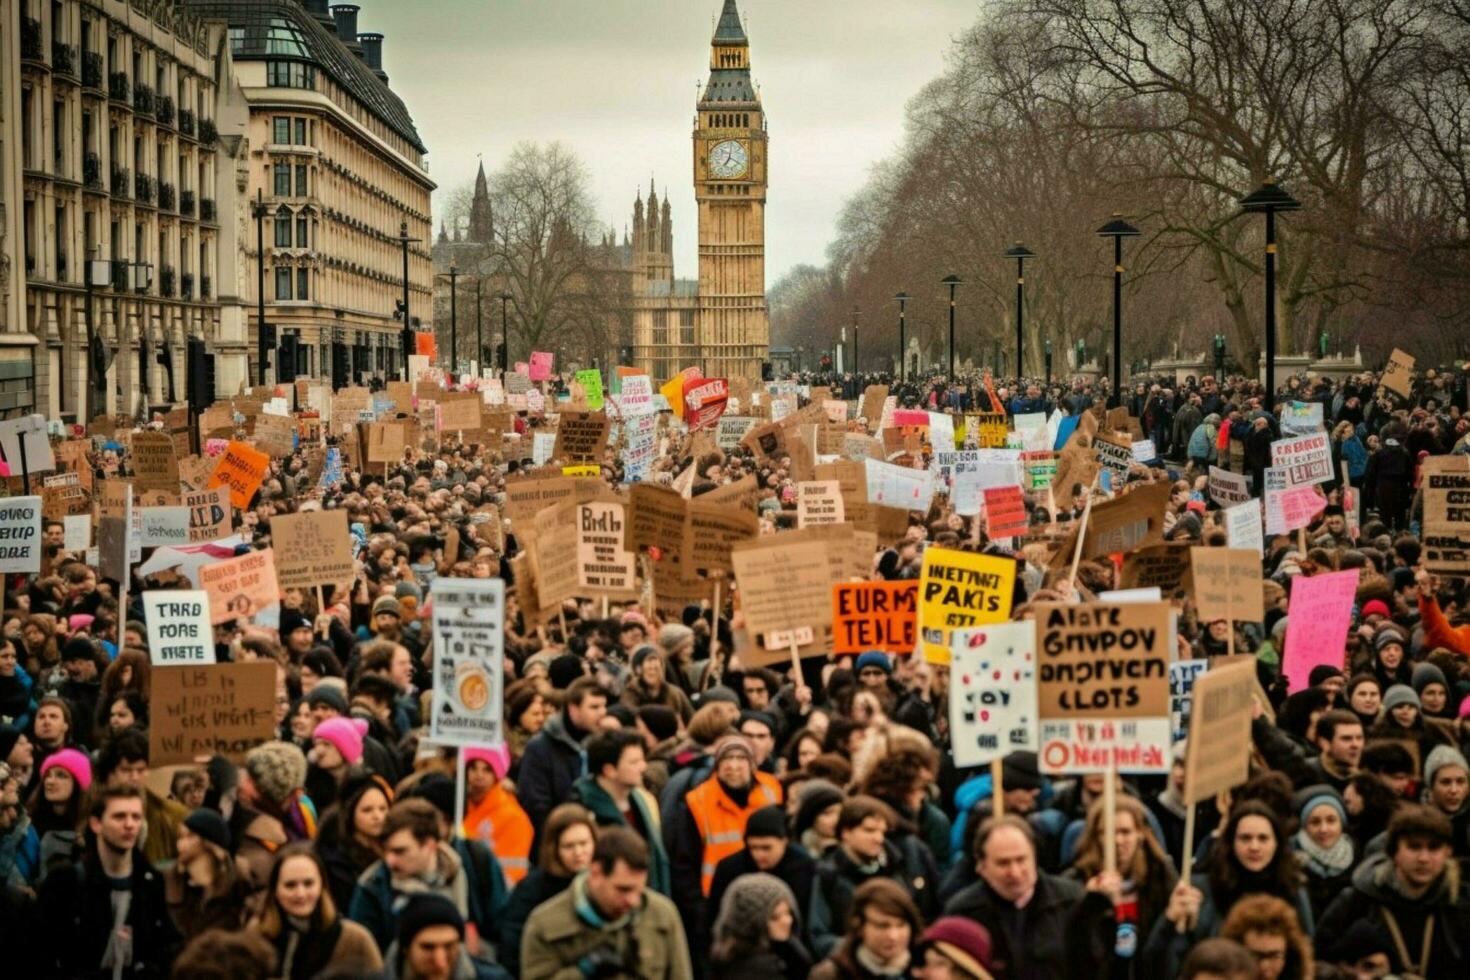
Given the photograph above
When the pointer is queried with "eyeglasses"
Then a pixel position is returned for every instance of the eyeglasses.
(1268, 955)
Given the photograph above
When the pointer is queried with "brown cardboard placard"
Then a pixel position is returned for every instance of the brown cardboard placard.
(819, 502)
(1398, 373)
(1217, 755)
(216, 709)
(209, 514)
(240, 587)
(155, 464)
(581, 436)
(1103, 660)
(1165, 567)
(1445, 483)
(313, 548)
(784, 588)
(1227, 584)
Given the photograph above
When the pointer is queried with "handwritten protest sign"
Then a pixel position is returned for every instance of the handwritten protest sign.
(581, 435)
(819, 502)
(1227, 584)
(992, 702)
(959, 589)
(20, 534)
(242, 469)
(219, 709)
(1217, 757)
(1398, 373)
(605, 567)
(1243, 526)
(155, 466)
(1005, 512)
(76, 532)
(1103, 686)
(312, 548)
(541, 365)
(591, 382)
(1294, 507)
(1114, 454)
(469, 659)
(1316, 630)
(164, 526)
(899, 486)
(1161, 566)
(179, 631)
(874, 616)
(1445, 482)
(786, 595)
(1226, 488)
(209, 514)
(1306, 459)
(240, 587)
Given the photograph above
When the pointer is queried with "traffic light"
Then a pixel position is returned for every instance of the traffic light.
(200, 375)
(286, 362)
(339, 365)
(162, 356)
(625, 354)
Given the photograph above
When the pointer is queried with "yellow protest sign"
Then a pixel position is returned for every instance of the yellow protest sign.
(960, 589)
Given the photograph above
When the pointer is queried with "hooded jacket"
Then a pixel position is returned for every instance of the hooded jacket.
(467, 874)
(590, 794)
(1374, 897)
(553, 761)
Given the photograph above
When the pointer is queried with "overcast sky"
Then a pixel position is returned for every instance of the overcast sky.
(615, 79)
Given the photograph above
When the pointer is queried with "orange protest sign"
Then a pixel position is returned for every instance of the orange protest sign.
(241, 469)
(874, 616)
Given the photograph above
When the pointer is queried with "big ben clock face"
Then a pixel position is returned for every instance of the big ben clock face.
(728, 159)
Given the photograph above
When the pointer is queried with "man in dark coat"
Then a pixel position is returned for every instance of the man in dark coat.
(1042, 927)
(768, 848)
(107, 911)
(554, 758)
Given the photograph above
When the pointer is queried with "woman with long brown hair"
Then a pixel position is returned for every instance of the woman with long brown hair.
(300, 919)
(1148, 876)
(129, 672)
(567, 841)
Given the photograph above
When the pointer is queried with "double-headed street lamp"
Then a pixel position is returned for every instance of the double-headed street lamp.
(951, 281)
(453, 275)
(1267, 199)
(1020, 253)
(1117, 230)
(903, 357)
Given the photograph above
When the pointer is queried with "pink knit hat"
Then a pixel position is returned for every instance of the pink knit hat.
(1464, 708)
(344, 734)
(496, 757)
(73, 762)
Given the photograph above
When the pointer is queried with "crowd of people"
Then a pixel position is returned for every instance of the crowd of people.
(660, 810)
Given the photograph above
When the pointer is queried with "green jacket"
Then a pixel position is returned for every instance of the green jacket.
(557, 937)
(595, 798)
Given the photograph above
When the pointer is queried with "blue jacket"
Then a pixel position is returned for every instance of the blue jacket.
(1356, 455)
(1202, 443)
(375, 900)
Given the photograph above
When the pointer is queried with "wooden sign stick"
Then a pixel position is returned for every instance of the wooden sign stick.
(1082, 532)
(997, 787)
(1110, 820)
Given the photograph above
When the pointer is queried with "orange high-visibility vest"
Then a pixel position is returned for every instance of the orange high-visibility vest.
(499, 821)
(721, 823)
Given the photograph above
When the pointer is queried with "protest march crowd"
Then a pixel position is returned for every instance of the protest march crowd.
(572, 675)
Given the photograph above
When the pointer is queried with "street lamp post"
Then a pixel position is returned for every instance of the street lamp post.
(262, 337)
(1267, 199)
(1117, 230)
(479, 326)
(98, 271)
(1220, 355)
(1020, 253)
(951, 281)
(856, 313)
(505, 298)
(453, 321)
(903, 356)
(406, 338)
(1047, 365)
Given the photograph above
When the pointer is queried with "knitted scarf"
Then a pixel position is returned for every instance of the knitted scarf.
(1325, 862)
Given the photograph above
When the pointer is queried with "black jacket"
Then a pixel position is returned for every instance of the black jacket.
(1372, 894)
(1063, 932)
(74, 920)
(552, 762)
(797, 868)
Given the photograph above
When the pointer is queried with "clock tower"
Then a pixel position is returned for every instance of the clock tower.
(730, 189)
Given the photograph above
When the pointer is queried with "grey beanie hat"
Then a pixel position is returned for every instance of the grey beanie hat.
(1439, 757)
(747, 906)
(1399, 694)
(276, 768)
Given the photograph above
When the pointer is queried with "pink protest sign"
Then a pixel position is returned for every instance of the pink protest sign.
(1317, 618)
(541, 361)
(908, 416)
(1296, 507)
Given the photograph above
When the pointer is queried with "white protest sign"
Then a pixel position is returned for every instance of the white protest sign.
(542, 446)
(1243, 526)
(163, 526)
(27, 435)
(941, 430)
(20, 534)
(992, 705)
(1301, 418)
(469, 657)
(1226, 488)
(899, 486)
(1144, 451)
(76, 532)
(179, 631)
(1306, 459)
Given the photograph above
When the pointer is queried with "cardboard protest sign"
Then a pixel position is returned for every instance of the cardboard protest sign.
(1243, 526)
(731, 429)
(874, 616)
(1445, 483)
(1217, 757)
(219, 709)
(704, 401)
(1321, 608)
(1114, 453)
(155, 466)
(469, 661)
(274, 435)
(1005, 512)
(1182, 675)
(819, 502)
(240, 587)
(1226, 488)
(899, 486)
(992, 701)
(62, 495)
(1398, 373)
(871, 406)
(711, 530)
(20, 534)
(605, 567)
(179, 631)
(312, 548)
(958, 589)
(459, 414)
(1227, 584)
(581, 435)
(164, 526)
(1306, 459)
(114, 523)
(785, 592)
(1103, 686)
(656, 518)
(1127, 523)
(1161, 566)
(242, 469)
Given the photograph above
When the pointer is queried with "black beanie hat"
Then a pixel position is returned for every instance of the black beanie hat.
(210, 825)
(661, 722)
(768, 821)
(424, 910)
(565, 669)
(438, 789)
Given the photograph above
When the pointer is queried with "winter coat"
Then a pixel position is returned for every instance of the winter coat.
(838, 877)
(1202, 443)
(481, 897)
(539, 887)
(797, 868)
(587, 792)
(1186, 420)
(1372, 898)
(344, 947)
(161, 820)
(1167, 946)
(1063, 932)
(556, 937)
(553, 761)
(670, 696)
(784, 960)
(74, 921)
